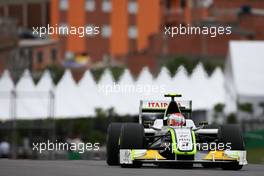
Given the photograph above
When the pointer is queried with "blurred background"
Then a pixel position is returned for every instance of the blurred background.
(54, 87)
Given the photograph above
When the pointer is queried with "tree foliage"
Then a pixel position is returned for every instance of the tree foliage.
(190, 63)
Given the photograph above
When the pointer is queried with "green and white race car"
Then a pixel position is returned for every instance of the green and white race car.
(167, 136)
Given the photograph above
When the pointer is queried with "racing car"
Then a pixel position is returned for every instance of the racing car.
(166, 136)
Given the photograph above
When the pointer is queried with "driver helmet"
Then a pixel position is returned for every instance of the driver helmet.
(176, 119)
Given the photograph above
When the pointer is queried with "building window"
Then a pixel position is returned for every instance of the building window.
(106, 31)
(54, 55)
(132, 32)
(204, 3)
(106, 6)
(21, 53)
(63, 5)
(168, 4)
(183, 4)
(69, 55)
(30, 57)
(132, 7)
(39, 57)
(90, 5)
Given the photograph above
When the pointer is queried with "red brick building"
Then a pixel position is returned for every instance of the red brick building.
(27, 13)
(246, 17)
(132, 31)
(19, 49)
(125, 25)
(20, 54)
(39, 53)
(8, 41)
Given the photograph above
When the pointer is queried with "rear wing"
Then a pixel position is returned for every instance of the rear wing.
(158, 106)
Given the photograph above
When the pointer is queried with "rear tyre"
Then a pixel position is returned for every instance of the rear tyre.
(232, 135)
(132, 137)
(112, 144)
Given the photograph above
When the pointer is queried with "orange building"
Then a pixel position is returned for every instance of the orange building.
(134, 29)
(125, 25)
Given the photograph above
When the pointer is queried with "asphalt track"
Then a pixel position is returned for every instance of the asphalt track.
(99, 168)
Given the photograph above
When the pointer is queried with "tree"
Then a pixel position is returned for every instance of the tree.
(174, 63)
(56, 72)
(261, 104)
(231, 118)
(218, 112)
(246, 107)
(189, 63)
(219, 108)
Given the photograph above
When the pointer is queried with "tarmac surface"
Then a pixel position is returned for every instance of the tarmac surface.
(99, 168)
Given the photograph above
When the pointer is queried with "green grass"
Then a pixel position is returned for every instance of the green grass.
(255, 156)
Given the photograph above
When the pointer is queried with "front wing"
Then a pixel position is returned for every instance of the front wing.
(128, 156)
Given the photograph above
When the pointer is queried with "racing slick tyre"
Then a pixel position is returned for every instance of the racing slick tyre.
(233, 135)
(132, 137)
(112, 143)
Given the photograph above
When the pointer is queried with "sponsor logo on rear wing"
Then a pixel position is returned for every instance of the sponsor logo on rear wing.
(158, 105)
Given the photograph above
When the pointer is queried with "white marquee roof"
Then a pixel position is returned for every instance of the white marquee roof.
(164, 79)
(28, 104)
(6, 83)
(45, 84)
(181, 81)
(128, 93)
(247, 61)
(6, 86)
(68, 100)
(200, 88)
(80, 100)
(88, 90)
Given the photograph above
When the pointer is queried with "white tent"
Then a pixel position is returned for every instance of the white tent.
(89, 92)
(200, 88)
(217, 91)
(145, 85)
(182, 84)
(244, 80)
(27, 102)
(109, 94)
(72, 100)
(164, 81)
(46, 98)
(128, 93)
(6, 86)
(68, 102)
(45, 84)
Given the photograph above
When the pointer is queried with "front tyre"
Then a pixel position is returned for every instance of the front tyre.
(112, 144)
(233, 135)
(132, 137)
